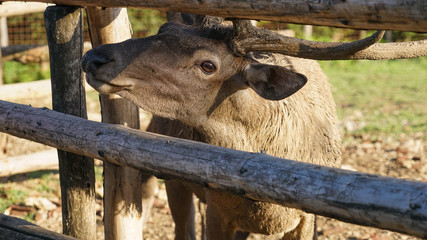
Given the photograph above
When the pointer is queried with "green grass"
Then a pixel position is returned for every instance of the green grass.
(9, 196)
(15, 72)
(18, 188)
(391, 95)
(99, 173)
(48, 184)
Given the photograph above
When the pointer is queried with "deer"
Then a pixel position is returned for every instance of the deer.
(241, 87)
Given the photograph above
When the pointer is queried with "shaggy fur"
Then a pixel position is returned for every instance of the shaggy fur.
(162, 75)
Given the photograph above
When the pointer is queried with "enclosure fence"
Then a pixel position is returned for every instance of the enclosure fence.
(387, 203)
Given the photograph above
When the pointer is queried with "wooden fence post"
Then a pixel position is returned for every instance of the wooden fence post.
(65, 40)
(123, 186)
(1, 69)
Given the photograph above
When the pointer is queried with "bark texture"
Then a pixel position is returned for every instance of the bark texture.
(365, 199)
(15, 228)
(123, 216)
(65, 39)
(376, 14)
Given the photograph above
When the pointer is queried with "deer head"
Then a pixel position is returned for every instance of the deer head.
(186, 71)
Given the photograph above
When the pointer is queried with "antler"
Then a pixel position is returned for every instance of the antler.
(248, 38)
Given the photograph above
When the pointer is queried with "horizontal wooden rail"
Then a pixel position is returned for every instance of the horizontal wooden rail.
(11, 9)
(46, 160)
(15, 228)
(374, 14)
(365, 199)
(31, 53)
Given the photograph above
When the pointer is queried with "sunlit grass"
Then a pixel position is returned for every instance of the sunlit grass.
(391, 95)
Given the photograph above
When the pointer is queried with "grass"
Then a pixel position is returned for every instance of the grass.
(389, 96)
(44, 183)
(10, 196)
(15, 72)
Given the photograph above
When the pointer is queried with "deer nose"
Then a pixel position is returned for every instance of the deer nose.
(92, 61)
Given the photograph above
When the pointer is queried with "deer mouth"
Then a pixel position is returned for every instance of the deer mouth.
(99, 75)
(104, 86)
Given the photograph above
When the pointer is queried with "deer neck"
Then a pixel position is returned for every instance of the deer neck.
(244, 116)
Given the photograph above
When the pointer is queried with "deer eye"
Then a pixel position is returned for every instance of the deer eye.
(208, 67)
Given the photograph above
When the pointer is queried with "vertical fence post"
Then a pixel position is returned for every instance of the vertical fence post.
(1, 68)
(65, 40)
(123, 218)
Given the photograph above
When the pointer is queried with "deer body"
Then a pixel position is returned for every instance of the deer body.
(302, 126)
(251, 103)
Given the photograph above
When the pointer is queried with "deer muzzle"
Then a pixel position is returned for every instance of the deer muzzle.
(91, 61)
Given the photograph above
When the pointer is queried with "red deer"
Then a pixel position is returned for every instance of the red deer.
(238, 87)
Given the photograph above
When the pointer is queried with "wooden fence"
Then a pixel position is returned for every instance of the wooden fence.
(365, 199)
(374, 14)
(387, 203)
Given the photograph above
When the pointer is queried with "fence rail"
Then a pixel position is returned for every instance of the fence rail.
(365, 199)
(15, 228)
(374, 14)
(9, 9)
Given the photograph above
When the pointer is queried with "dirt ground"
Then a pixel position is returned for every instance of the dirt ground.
(402, 157)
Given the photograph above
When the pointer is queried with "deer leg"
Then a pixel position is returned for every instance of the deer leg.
(217, 226)
(304, 231)
(182, 209)
(149, 187)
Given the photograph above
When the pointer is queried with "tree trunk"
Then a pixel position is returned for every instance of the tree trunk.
(374, 14)
(65, 39)
(366, 199)
(123, 218)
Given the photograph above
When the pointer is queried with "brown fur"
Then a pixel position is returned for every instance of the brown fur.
(222, 110)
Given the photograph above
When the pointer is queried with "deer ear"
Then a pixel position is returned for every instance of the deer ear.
(273, 82)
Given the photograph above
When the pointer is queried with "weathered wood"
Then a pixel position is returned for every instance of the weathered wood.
(65, 39)
(123, 217)
(30, 53)
(13, 49)
(43, 160)
(25, 53)
(365, 199)
(9, 9)
(1, 69)
(4, 33)
(375, 14)
(15, 228)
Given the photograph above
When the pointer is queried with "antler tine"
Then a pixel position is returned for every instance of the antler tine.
(248, 38)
